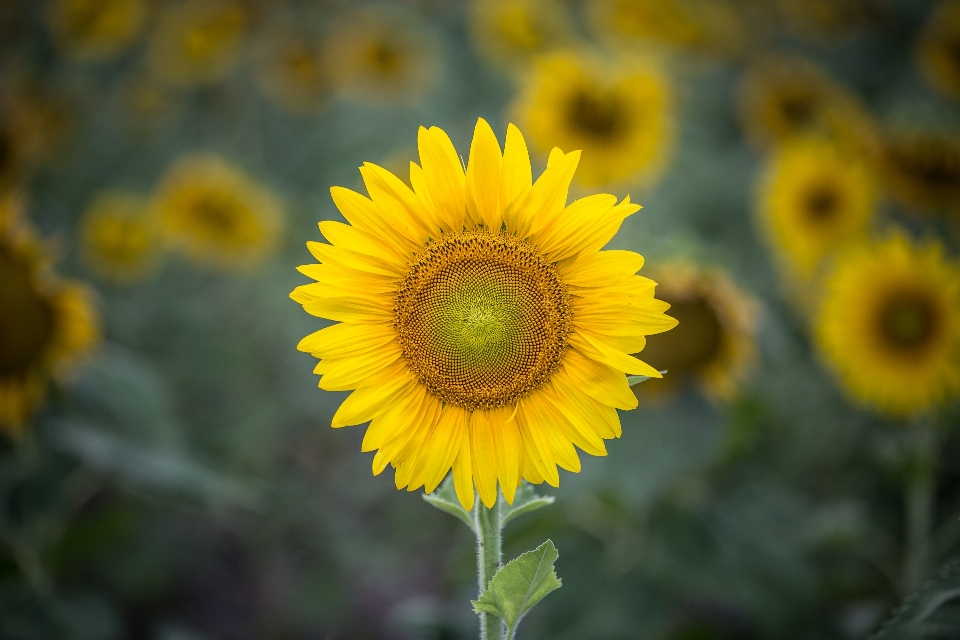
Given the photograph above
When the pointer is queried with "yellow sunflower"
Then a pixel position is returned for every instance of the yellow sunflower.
(938, 52)
(620, 115)
(714, 344)
(889, 325)
(46, 324)
(119, 236)
(511, 32)
(96, 29)
(783, 97)
(813, 198)
(922, 170)
(382, 57)
(289, 70)
(479, 324)
(692, 24)
(216, 213)
(197, 41)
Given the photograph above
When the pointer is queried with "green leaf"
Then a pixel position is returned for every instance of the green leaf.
(933, 611)
(445, 498)
(635, 380)
(519, 585)
(525, 501)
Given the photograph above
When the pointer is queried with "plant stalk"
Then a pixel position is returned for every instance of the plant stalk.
(918, 504)
(488, 524)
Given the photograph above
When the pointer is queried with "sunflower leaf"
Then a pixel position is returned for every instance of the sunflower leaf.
(519, 585)
(445, 499)
(933, 611)
(525, 501)
(635, 380)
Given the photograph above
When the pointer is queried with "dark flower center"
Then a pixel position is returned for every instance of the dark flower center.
(597, 114)
(822, 204)
(690, 346)
(908, 322)
(26, 319)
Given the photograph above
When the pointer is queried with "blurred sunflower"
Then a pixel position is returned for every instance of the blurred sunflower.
(33, 126)
(197, 41)
(938, 51)
(96, 29)
(216, 213)
(119, 236)
(46, 324)
(289, 70)
(813, 198)
(922, 170)
(620, 116)
(693, 24)
(714, 344)
(511, 32)
(783, 97)
(889, 325)
(382, 57)
(478, 322)
(146, 105)
(827, 21)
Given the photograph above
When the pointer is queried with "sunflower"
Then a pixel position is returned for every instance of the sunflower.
(690, 24)
(289, 70)
(938, 51)
(714, 346)
(382, 57)
(889, 325)
(511, 32)
(619, 115)
(478, 323)
(119, 237)
(217, 213)
(46, 324)
(827, 20)
(783, 97)
(96, 29)
(197, 41)
(922, 170)
(813, 198)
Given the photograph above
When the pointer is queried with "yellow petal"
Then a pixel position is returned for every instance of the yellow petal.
(538, 449)
(394, 420)
(353, 310)
(408, 443)
(602, 269)
(401, 208)
(347, 259)
(443, 175)
(343, 340)
(600, 416)
(484, 457)
(595, 349)
(515, 176)
(368, 402)
(580, 428)
(349, 237)
(463, 475)
(509, 450)
(548, 196)
(599, 381)
(553, 429)
(362, 213)
(576, 220)
(483, 177)
(443, 445)
(349, 373)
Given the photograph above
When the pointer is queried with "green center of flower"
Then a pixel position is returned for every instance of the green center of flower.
(482, 318)
(26, 319)
(908, 322)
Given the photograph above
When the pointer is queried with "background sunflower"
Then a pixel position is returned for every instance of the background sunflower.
(177, 478)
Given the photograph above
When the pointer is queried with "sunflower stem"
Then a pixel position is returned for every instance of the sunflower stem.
(918, 504)
(488, 524)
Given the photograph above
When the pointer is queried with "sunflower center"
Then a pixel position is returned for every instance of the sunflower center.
(933, 164)
(822, 203)
(908, 321)
(597, 114)
(214, 215)
(482, 318)
(383, 58)
(26, 320)
(798, 109)
(693, 344)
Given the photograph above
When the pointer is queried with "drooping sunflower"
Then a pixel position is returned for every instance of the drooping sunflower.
(96, 29)
(217, 213)
(46, 324)
(382, 57)
(938, 52)
(714, 344)
(289, 70)
(119, 236)
(814, 197)
(922, 170)
(783, 97)
(889, 325)
(706, 25)
(197, 42)
(479, 324)
(620, 115)
(510, 33)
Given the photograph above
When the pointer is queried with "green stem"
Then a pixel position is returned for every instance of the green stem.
(918, 503)
(488, 524)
